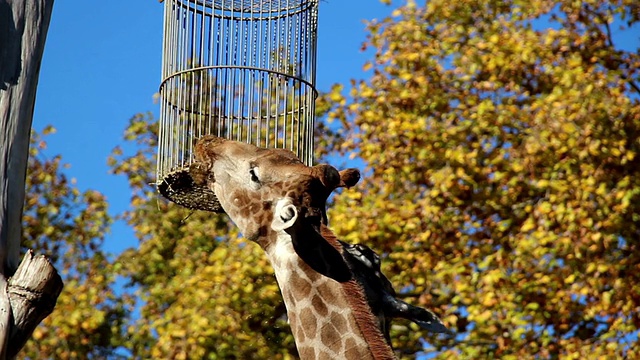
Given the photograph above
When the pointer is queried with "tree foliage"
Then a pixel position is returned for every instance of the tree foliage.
(69, 227)
(501, 146)
(502, 143)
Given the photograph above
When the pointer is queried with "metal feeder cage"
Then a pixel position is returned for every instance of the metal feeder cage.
(239, 69)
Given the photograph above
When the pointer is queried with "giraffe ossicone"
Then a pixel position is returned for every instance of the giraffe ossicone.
(339, 303)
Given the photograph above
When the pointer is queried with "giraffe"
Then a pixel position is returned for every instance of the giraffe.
(338, 302)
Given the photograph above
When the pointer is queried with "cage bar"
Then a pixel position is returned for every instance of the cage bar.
(239, 69)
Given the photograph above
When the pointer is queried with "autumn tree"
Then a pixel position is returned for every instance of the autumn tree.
(501, 140)
(70, 226)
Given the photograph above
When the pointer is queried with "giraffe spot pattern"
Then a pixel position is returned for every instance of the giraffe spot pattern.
(302, 286)
(319, 306)
(352, 351)
(330, 335)
(308, 322)
(307, 353)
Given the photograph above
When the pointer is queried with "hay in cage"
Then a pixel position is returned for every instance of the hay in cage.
(242, 70)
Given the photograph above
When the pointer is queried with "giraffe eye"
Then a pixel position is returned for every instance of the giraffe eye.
(254, 177)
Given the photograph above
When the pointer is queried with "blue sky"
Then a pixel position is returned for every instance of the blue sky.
(102, 65)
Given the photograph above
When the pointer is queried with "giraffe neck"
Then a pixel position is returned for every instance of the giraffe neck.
(329, 319)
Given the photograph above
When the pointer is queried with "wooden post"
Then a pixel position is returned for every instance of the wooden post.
(30, 295)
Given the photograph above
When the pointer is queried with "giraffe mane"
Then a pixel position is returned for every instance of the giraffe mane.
(366, 320)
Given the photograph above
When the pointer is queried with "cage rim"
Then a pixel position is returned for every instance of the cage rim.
(209, 67)
(197, 6)
(240, 118)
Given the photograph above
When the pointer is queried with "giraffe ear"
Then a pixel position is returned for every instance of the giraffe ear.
(349, 177)
(328, 175)
(284, 215)
(332, 179)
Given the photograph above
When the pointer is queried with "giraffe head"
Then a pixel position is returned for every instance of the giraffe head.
(266, 191)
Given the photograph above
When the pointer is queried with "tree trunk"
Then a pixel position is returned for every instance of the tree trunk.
(23, 30)
(33, 291)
